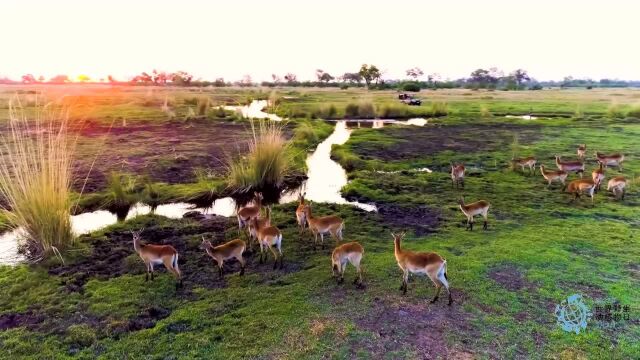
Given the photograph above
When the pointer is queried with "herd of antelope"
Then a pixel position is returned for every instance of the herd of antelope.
(617, 184)
(269, 238)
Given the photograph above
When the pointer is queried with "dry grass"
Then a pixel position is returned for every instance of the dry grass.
(35, 179)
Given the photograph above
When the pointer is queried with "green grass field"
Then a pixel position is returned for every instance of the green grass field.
(539, 249)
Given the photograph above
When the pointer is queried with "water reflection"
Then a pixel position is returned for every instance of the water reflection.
(255, 110)
(380, 123)
(524, 117)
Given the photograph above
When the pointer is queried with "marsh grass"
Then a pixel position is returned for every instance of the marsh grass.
(484, 111)
(439, 108)
(614, 111)
(203, 105)
(265, 164)
(121, 194)
(35, 179)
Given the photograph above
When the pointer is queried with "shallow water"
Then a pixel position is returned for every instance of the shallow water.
(524, 117)
(255, 110)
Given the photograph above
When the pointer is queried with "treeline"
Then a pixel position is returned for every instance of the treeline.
(369, 76)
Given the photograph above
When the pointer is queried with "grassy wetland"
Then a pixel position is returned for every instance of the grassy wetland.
(156, 146)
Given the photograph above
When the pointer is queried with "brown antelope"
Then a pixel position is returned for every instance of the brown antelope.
(529, 162)
(226, 251)
(610, 160)
(351, 252)
(582, 151)
(429, 263)
(157, 254)
(580, 186)
(262, 222)
(617, 185)
(570, 166)
(268, 237)
(480, 207)
(301, 217)
(597, 176)
(249, 212)
(457, 175)
(551, 176)
(323, 225)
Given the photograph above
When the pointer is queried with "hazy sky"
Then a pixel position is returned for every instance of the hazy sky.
(231, 38)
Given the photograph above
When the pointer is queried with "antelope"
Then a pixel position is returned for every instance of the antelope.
(457, 175)
(157, 254)
(351, 252)
(301, 217)
(610, 160)
(528, 161)
(268, 237)
(229, 250)
(580, 186)
(322, 225)
(551, 176)
(262, 222)
(597, 176)
(570, 166)
(582, 150)
(249, 212)
(429, 263)
(480, 207)
(617, 185)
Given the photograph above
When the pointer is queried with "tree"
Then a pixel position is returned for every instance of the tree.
(520, 76)
(111, 79)
(28, 79)
(415, 73)
(323, 76)
(291, 78)
(219, 82)
(59, 79)
(369, 73)
(484, 78)
(181, 78)
(352, 77)
(276, 79)
(160, 77)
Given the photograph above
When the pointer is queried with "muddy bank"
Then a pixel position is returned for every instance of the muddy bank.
(166, 151)
(416, 142)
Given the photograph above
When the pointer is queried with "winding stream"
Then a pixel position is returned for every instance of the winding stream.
(325, 180)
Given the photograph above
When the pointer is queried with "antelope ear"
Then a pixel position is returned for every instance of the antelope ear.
(392, 234)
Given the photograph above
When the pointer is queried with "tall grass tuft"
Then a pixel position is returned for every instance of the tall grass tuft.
(614, 111)
(366, 109)
(439, 108)
(484, 111)
(266, 163)
(122, 194)
(634, 112)
(203, 105)
(35, 179)
(389, 111)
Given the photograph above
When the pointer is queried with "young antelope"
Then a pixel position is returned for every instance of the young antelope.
(301, 217)
(351, 252)
(551, 176)
(155, 255)
(582, 186)
(429, 263)
(457, 175)
(617, 186)
(230, 250)
(324, 224)
(268, 238)
(529, 162)
(570, 166)
(597, 176)
(480, 207)
(249, 212)
(582, 150)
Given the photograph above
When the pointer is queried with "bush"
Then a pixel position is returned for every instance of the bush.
(394, 111)
(366, 110)
(81, 334)
(35, 180)
(411, 86)
(305, 132)
(634, 112)
(121, 194)
(535, 87)
(615, 111)
(344, 86)
(266, 163)
(439, 108)
(351, 110)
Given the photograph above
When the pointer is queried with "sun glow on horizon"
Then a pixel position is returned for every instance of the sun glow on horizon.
(550, 39)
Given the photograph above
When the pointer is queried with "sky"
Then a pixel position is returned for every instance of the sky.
(549, 38)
